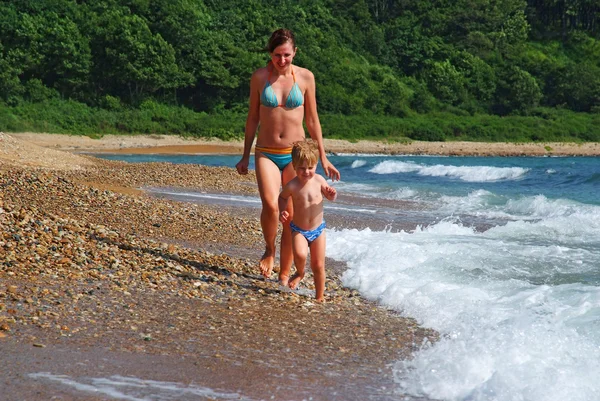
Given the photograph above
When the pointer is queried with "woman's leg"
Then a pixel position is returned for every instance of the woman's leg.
(268, 178)
(286, 256)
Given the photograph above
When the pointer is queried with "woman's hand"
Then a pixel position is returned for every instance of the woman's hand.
(242, 166)
(330, 171)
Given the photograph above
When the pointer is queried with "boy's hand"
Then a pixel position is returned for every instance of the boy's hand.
(330, 193)
(284, 216)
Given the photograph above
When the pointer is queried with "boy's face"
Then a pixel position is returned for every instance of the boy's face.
(305, 171)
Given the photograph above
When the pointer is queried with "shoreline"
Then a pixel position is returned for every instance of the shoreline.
(160, 144)
(100, 279)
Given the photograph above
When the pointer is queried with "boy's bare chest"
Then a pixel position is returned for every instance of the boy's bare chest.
(310, 194)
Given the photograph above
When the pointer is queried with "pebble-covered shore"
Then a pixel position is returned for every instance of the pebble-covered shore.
(176, 144)
(89, 262)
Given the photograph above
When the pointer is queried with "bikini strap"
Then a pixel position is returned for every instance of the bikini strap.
(270, 69)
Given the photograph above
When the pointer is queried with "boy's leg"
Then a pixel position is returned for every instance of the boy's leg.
(300, 247)
(317, 265)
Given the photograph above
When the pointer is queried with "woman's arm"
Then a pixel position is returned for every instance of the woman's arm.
(311, 117)
(252, 122)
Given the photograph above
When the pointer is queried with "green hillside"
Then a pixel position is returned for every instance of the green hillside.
(506, 70)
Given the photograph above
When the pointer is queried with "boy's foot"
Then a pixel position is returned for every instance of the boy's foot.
(295, 281)
(266, 264)
(284, 280)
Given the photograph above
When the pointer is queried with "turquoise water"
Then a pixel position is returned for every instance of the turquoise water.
(575, 178)
(505, 264)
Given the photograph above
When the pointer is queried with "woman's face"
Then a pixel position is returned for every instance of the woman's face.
(283, 55)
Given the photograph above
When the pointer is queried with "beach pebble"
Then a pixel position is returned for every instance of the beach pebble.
(80, 265)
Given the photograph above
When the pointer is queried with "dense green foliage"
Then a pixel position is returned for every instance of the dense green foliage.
(515, 70)
(60, 116)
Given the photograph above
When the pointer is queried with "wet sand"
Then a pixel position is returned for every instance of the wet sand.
(99, 280)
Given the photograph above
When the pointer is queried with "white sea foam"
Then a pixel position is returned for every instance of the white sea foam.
(527, 208)
(357, 188)
(362, 154)
(349, 209)
(476, 202)
(541, 206)
(134, 389)
(402, 193)
(372, 191)
(517, 309)
(358, 163)
(205, 196)
(463, 173)
(394, 166)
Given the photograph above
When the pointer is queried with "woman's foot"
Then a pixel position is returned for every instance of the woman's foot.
(266, 264)
(284, 280)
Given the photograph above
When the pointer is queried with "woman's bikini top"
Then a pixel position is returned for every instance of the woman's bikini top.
(294, 99)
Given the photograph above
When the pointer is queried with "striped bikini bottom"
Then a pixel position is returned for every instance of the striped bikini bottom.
(280, 156)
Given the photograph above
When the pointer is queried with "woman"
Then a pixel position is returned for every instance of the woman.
(282, 96)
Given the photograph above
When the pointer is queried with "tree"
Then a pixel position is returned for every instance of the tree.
(446, 83)
(517, 91)
(40, 44)
(479, 77)
(559, 17)
(408, 49)
(65, 57)
(579, 86)
(10, 85)
(129, 59)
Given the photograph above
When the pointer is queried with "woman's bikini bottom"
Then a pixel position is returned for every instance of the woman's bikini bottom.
(280, 156)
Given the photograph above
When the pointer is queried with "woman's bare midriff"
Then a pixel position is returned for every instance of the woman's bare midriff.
(280, 127)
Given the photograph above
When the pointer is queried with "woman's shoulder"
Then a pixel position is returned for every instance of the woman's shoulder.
(261, 73)
(260, 76)
(303, 73)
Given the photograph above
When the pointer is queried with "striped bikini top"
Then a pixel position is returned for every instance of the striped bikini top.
(294, 99)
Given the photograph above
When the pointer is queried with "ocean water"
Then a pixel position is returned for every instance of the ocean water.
(503, 260)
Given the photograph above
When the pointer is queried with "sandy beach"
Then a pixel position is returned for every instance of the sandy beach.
(100, 280)
(175, 144)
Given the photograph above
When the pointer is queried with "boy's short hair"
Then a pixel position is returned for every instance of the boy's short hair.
(306, 150)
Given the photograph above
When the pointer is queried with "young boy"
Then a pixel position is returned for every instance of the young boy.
(307, 190)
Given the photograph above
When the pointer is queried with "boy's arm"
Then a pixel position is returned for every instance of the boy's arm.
(328, 191)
